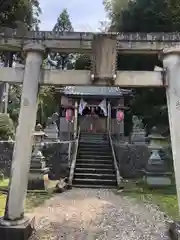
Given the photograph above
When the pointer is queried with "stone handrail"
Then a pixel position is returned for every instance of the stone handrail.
(118, 176)
(73, 163)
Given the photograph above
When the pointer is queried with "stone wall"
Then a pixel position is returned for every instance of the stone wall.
(56, 156)
(132, 158)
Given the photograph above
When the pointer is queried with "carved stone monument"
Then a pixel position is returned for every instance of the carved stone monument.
(138, 132)
(156, 172)
(51, 129)
(38, 170)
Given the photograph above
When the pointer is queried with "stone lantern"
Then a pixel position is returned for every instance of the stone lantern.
(156, 172)
(38, 171)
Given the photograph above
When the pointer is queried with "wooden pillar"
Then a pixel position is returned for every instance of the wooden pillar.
(24, 134)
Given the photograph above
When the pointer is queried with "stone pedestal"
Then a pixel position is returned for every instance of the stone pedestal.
(138, 133)
(138, 137)
(16, 230)
(51, 132)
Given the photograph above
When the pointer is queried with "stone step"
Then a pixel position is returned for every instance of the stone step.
(89, 148)
(92, 144)
(92, 181)
(95, 170)
(94, 148)
(93, 137)
(94, 161)
(90, 151)
(95, 165)
(93, 133)
(94, 176)
(94, 186)
(92, 156)
(93, 141)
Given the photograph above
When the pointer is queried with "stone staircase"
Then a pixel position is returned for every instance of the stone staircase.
(94, 164)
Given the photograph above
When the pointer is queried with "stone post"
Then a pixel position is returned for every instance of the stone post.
(14, 212)
(75, 119)
(109, 118)
(171, 62)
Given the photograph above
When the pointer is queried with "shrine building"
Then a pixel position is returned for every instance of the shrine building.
(94, 106)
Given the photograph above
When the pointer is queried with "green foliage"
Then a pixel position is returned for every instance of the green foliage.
(114, 9)
(24, 11)
(165, 199)
(14, 102)
(145, 16)
(47, 104)
(23, 15)
(6, 127)
(82, 62)
(63, 23)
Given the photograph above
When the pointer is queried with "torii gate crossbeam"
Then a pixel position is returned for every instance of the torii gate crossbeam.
(83, 78)
(73, 42)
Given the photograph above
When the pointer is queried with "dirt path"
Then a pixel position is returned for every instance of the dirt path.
(87, 214)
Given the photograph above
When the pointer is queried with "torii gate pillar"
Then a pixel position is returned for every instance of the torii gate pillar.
(14, 225)
(171, 61)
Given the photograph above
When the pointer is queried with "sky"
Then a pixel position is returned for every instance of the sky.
(84, 15)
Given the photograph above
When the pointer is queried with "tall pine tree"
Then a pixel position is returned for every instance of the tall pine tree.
(62, 60)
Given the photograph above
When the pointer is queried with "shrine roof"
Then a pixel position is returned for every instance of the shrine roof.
(100, 91)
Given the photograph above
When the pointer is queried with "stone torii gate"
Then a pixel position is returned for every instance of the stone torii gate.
(103, 49)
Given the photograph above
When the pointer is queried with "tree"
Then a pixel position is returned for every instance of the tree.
(24, 11)
(20, 14)
(145, 16)
(6, 127)
(114, 9)
(46, 104)
(47, 96)
(62, 25)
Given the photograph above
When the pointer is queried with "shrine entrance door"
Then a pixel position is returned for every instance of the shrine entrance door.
(93, 120)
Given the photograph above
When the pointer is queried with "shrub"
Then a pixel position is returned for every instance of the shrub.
(7, 129)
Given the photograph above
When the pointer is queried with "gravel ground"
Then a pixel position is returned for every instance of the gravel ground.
(97, 214)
